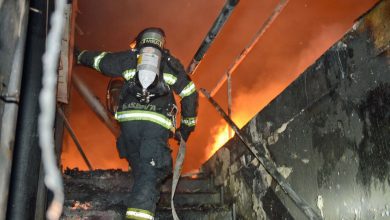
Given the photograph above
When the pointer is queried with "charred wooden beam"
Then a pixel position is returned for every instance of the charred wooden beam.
(75, 139)
(212, 34)
(95, 104)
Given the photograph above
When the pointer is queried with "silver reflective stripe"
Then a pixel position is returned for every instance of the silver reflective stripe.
(79, 56)
(138, 215)
(97, 59)
(188, 90)
(189, 121)
(139, 115)
(170, 79)
(128, 74)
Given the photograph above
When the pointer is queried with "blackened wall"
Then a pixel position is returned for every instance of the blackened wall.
(10, 25)
(27, 155)
(13, 23)
(328, 133)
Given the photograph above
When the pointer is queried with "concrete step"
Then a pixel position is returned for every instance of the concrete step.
(91, 215)
(97, 203)
(104, 200)
(119, 181)
(220, 213)
(161, 214)
(190, 185)
(190, 199)
(101, 194)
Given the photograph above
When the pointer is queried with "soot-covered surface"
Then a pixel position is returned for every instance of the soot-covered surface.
(103, 194)
(328, 134)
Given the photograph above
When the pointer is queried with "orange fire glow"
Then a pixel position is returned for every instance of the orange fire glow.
(252, 102)
(302, 32)
(221, 134)
(247, 104)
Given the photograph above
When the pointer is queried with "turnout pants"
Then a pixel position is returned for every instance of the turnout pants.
(146, 149)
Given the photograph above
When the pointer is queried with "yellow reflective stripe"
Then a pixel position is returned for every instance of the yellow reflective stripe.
(189, 121)
(139, 214)
(170, 79)
(139, 115)
(97, 59)
(188, 90)
(128, 74)
(152, 40)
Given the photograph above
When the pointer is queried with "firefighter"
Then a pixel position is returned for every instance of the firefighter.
(146, 112)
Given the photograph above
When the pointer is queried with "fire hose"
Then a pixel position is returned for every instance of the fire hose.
(177, 171)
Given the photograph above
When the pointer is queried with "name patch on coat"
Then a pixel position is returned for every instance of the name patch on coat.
(138, 106)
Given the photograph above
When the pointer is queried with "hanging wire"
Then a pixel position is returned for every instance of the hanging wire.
(47, 101)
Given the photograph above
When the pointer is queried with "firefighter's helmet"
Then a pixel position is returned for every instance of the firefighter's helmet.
(151, 36)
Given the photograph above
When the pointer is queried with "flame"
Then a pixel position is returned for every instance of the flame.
(81, 206)
(253, 101)
(256, 100)
(276, 62)
(221, 134)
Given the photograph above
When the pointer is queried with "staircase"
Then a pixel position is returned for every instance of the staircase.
(101, 194)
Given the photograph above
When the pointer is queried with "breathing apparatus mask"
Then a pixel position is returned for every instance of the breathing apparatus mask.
(150, 44)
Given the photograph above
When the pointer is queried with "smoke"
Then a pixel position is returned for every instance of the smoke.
(317, 46)
(96, 140)
(303, 31)
(285, 60)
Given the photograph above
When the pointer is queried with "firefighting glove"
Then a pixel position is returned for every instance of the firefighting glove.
(184, 131)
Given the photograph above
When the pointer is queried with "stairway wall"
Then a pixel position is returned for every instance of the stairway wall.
(328, 133)
(13, 23)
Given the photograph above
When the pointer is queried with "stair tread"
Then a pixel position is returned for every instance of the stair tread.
(196, 215)
(119, 181)
(101, 194)
(184, 214)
